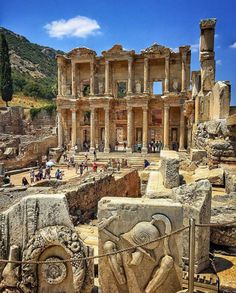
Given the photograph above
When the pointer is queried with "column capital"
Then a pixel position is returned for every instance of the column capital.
(129, 108)
(145, 108)
(166, 106)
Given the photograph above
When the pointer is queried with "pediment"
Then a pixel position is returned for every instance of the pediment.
(81, 52)
(117, 50)
(156, 49)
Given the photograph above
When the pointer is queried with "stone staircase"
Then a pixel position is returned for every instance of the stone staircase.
(134, 160)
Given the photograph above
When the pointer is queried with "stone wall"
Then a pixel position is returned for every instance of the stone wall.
(30, 151)
(83, 199)
(217, 139)
(11, 120)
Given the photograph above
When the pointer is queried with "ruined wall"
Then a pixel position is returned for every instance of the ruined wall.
(217, 139)
(11, 120)
(83, 199)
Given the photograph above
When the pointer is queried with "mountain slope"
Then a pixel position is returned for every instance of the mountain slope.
(33, 65)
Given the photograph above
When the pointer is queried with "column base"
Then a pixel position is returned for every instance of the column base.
(182, 150)
(144, 150)
(106, 150)
(129, 150)
(166, 148)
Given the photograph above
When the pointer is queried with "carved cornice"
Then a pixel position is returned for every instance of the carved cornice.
(208, 23)
(117, 51)
(82, 52)
(156, 50)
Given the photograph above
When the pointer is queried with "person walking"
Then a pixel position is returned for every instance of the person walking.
(81, 169)
(32, 176)
(95, 155)
(95, 167)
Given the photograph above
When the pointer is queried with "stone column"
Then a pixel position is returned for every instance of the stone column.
(107, 131)
(129, 129)
(181, 129)
(145, 130)
(107, 78)
(92, 78)
(183, 68)
(166, 126)
(92, 130)
(130, 75)
(59, 129)
(73, 80)
(167, 73)
(63, 80)
(74, 127)
(145, 76)
(59, 72)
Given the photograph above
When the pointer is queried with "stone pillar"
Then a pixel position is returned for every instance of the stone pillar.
(129, 130)
(183, 68)
(92, 84)
(182, 129)
(59, 129)
(130, 75)
(107, 78)
(59, 72)
(145, 130)
(92, 130)
(145, 76)
(73, 80)
(166, 127)
(74, 127)
(167, 73)
(107, 131)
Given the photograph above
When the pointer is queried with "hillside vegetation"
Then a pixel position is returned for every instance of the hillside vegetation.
(34, 68)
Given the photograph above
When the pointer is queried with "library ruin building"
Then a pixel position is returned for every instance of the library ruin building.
(123, 100)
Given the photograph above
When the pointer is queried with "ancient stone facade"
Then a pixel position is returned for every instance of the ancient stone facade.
(110, 100)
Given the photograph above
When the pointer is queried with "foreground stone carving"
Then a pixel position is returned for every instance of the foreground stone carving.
(196, 200)
(170, 172)
(47, 235)
(155, 267)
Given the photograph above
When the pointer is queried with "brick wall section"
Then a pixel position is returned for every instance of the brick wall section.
(83, 199)
(11, 120)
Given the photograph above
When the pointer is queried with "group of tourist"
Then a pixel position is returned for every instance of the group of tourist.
(155, 146)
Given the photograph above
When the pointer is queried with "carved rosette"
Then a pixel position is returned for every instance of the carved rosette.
(55, 273)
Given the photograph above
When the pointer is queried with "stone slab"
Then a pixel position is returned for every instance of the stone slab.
(126, 222)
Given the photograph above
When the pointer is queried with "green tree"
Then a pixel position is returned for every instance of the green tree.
(6, 85)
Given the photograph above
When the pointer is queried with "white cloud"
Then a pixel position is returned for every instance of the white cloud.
(194, 48)
(79, 26)
(218, 62)
(216, 36)
(233, 45)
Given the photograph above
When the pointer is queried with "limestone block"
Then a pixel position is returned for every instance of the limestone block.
(126, 222)
(221, 100)
(39, 228)
(2, 169)
(197, 155)
(215, 176)
(230, 181)
(224, 210)
(196, 200)
(170, 172)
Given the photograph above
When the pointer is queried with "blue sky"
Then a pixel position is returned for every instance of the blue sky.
(136, 24)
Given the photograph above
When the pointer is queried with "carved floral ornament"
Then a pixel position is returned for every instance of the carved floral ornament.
(208, 23)
(54, 273)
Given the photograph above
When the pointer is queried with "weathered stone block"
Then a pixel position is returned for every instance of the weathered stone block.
(230, 181)
(197, 155)
(170, 172)
(215, 176)
(196, 200)
(154, 267)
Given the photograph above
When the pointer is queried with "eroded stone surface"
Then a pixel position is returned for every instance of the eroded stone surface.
(125, 222)
(170, 172)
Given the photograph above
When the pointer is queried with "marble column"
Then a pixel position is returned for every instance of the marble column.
(92, 130)
(59, 129)
(107, 77)
(182, 130)
(74, 128)
(183, 69)
(107, 131)
(145, 76)
(145, 130)
(167, 73)
(130, 75)
(129, 129)
(59, 72)
(166, 126)
(63, 80)
(73, 80)
(92, 84)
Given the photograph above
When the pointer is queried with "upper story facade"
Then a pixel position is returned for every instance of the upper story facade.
(122, 74)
